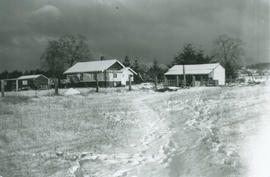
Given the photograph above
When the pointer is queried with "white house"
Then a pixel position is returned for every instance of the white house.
(196, 74)
(106, 72)
(251, 75)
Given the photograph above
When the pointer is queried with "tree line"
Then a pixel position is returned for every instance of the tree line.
(65, 51)
(226, 50)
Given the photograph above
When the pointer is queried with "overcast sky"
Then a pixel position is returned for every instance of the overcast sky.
(146, 29)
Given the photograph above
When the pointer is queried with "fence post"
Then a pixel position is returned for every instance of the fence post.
(2, 88)
(17, 85)
(129, 82)
(97, 86)
(156, 82)
(56, 86)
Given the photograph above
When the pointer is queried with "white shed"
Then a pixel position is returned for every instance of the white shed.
(200, 72)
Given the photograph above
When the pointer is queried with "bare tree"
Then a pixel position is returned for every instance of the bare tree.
(228, 52)
(63, 53)
(75, 48)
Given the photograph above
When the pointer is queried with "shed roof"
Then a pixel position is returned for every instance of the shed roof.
(92, 66)
(11, 79)
(192, 69)
(31, 76)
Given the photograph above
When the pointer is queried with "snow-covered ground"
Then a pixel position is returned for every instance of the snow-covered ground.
(209, 132)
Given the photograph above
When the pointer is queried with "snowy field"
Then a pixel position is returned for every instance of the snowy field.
(207, 132)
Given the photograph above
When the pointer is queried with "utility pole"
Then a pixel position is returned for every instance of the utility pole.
(129, 82)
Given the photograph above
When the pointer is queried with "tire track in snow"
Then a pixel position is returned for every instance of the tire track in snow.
(156, 145)
(152, 154)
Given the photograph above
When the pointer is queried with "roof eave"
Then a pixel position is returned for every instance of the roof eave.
(83, 72)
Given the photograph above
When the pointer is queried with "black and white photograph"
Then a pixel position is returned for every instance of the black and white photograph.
(134, 88)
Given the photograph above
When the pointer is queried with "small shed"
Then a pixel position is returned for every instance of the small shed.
(38, 81)
(195, 74)
(10, 84)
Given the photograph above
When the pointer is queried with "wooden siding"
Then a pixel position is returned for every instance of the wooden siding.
(40, 82)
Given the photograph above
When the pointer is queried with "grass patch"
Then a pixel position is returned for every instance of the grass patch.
(15, 99)
(45, 124)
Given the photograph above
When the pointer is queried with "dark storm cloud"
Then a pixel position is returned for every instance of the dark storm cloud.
(146, 29)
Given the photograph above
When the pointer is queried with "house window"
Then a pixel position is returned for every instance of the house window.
(24, 82)
(114, 75)
(91, 76)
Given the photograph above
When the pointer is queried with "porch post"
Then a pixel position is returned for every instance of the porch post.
(97, 86)
(105, 78)
(193, 81)
(165, 81)
(177, 81)
(184, 74)
(201, 77)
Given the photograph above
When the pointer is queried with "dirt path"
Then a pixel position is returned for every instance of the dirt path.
(156, 146)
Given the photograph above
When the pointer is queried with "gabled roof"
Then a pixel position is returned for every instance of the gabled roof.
(192, 69)
(131, 70)
(92, 66)
(31, 76)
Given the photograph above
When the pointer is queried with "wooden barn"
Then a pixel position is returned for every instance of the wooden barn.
(33, 82)
(108, 73)
(195, 75)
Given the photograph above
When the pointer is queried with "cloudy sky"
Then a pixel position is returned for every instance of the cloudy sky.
(146, 29)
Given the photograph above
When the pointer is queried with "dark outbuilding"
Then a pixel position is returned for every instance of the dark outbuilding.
(33, 82)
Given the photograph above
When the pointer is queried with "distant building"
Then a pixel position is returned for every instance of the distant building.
(109, 73)
(10, 84)
(27, 82)
(38, 81)
(251, 75)
(196, 74)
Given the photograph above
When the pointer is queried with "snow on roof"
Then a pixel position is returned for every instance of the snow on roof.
(131, 70)
(192, 69)
(30, 76)
(92, 66)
